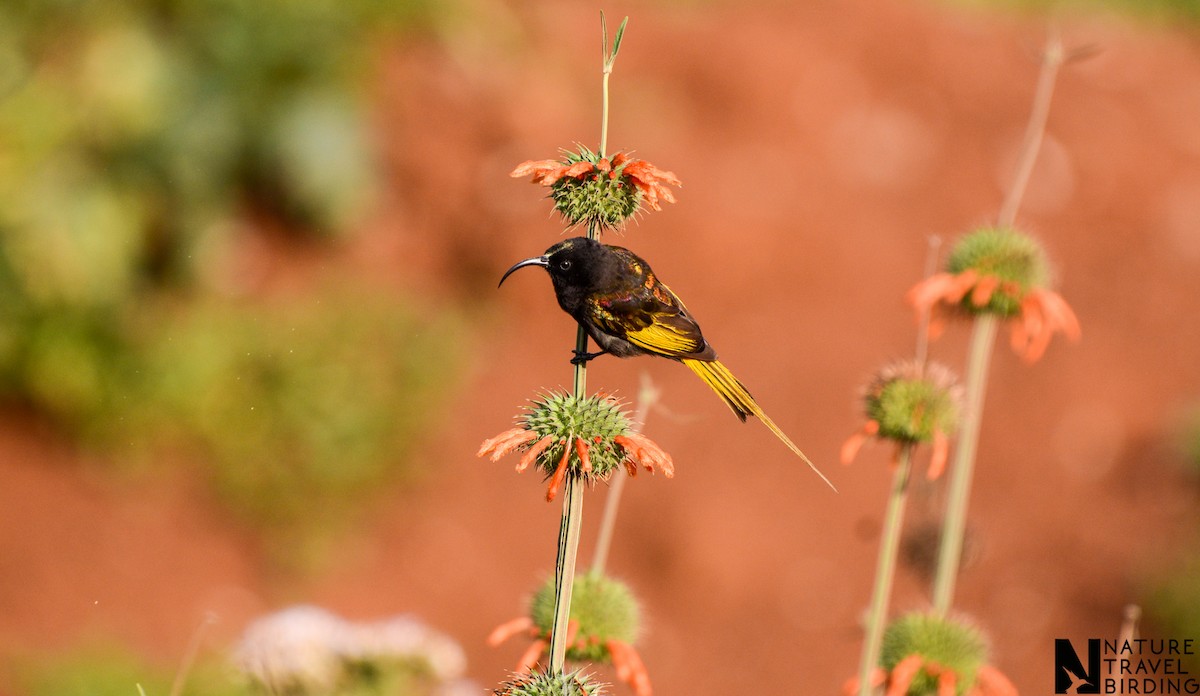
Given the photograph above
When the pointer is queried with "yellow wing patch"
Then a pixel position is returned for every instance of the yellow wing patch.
(665, 339)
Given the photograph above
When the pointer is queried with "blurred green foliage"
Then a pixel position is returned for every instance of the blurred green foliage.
(113, 670)
(1173, 605)
(116, 671)
(1164, 10)
(301, 408)
(132, 134)
(1189, 440)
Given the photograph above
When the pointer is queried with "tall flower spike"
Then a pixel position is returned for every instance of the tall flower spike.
(582, 437)
(928, 655)
(1000, 271)
(604, 621)
(588, 189)
(908, 404)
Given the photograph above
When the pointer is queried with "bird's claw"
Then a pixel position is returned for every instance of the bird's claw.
(582, 356)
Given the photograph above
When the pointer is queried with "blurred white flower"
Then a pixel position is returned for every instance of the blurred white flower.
(306, 650)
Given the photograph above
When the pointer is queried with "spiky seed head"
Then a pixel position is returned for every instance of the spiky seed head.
(541, 684)
(912, 403)
(1014, 258)
(951, 643)
(595, 419)
(604, 608)
(602, 196)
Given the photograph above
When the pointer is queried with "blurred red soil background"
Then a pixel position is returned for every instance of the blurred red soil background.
(820, 144)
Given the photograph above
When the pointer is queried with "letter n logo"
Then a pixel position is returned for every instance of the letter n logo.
(1070, 676)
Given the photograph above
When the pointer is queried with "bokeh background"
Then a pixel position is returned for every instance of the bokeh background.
(250, 338)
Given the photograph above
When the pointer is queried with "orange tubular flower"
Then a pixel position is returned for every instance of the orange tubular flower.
(929, 654)
(1003, 272)
(989, 681)
(584, 437)
(604, 620)
(910, 404)
(594, 190)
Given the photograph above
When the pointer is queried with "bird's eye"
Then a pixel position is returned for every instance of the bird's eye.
(565, 264)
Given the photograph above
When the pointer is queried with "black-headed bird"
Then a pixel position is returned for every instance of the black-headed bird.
(627, 311)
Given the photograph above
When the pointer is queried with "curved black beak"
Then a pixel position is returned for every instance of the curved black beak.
(535, 261)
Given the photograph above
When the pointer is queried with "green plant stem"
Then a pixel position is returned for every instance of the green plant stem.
(572, 517)
(568, 534)
(604, 109)
(983, 336)
(885, 570)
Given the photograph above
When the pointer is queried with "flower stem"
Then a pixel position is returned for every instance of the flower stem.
(647, 397)
(564, 571)
(885, 570)
(572, 517)
(1052, 59)
(983, 336)
(568, 532)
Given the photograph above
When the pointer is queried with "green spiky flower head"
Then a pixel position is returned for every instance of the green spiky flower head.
(1014, 259)
(581, 437)
(604, 608)
(566, 418)
(951, 644)
(603, 193)
(601, 196)
(542, 684)
(911, 404)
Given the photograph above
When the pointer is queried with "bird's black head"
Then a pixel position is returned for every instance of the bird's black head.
(577, 266)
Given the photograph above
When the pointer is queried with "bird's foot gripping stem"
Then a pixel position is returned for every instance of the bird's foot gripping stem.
(582, 356)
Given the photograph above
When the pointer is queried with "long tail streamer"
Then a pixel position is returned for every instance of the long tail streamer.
(721, 380)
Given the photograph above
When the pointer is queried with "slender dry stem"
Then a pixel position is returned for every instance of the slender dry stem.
(885, 571)
(189, 655)
(983, 336)
(1052, 59)
(647, 396)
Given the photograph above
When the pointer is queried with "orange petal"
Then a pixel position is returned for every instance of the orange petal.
(534, 167)
(509, 629)
(581, 449)
(1060, 314)
(941, 452)
(855, 442)
(903, 674)
(630, 668)
(937, 325)
(1035, 327)
(990, 682)
(579, 169)
(878, 677)
(646, 452)
(505, 442)
(532, 453)
(982, 293)
(947, 683)
(560, 473)
(961, 284)
(925, 294)
(530, 657)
